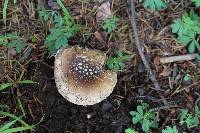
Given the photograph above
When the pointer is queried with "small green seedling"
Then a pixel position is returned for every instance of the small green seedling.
(188, 28)
(130, 130)
(186, 77)
(197, 3)
(110, 24)
(12, 40)
(154, 4)
(147, 119)
(170, 129)
(190, 119)
(116, 63)
(63, 28)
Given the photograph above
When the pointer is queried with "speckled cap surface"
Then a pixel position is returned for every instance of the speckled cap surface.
(80, 78)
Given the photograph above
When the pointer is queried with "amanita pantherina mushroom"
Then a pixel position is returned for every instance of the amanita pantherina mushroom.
(80, 77)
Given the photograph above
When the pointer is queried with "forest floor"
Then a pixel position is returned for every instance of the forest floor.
(179, 81)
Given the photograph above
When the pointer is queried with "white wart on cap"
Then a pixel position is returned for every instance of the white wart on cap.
(80, 78)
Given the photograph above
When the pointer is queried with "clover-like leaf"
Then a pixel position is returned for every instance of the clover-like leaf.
(154, 4)
(170, 130)
(192, 46)
(130, 130)
(137, 117)
(188, 118)
(146, 125)
(116, 63)
(187, 29)
(197, 2)
(146, 118)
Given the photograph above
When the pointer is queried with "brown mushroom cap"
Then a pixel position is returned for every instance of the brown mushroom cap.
(80, 78)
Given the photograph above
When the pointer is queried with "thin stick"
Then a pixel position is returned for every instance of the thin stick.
(139, 48)
(163, 107)
(178, 58)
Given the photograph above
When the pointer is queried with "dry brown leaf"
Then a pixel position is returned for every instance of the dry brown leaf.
(166, 72)
(67, 1)
(103, 11)
(12, 52)
(156, 61)
(101, 36)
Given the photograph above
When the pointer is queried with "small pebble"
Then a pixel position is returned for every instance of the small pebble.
(89, 116)
(106, 106)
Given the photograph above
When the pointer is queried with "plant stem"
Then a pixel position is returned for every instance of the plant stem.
(139, 48)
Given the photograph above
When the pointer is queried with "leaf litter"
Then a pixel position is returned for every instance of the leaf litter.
(61, 116)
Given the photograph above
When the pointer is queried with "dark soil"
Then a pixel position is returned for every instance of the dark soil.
(112, 114)
(109, 116)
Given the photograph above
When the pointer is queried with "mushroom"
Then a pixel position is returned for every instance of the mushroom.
(80, 77)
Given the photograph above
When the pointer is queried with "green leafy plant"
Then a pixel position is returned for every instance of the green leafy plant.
(53, 17)
(12, 40)
(170, 129)
(154, 4)
(188, 28)
(197, 3)
(110, 24)
(3, 86)
(130, 130)
(190, 119)
(62, 30)
(186, 77)
(145, 117)
(116, 63)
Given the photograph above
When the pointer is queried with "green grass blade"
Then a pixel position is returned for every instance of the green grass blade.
(15, 1)
(21, 107)
(5, 85)
(14, 117)
(5, 6)
(18, 129)
(27, 82)
(8, 125)
(40, 121)
(64, 9)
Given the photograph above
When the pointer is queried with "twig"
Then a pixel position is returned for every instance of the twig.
(186, 88)
(178, 58)
(26, 54)
(197, 101)
(139, 48)
(163, 107)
